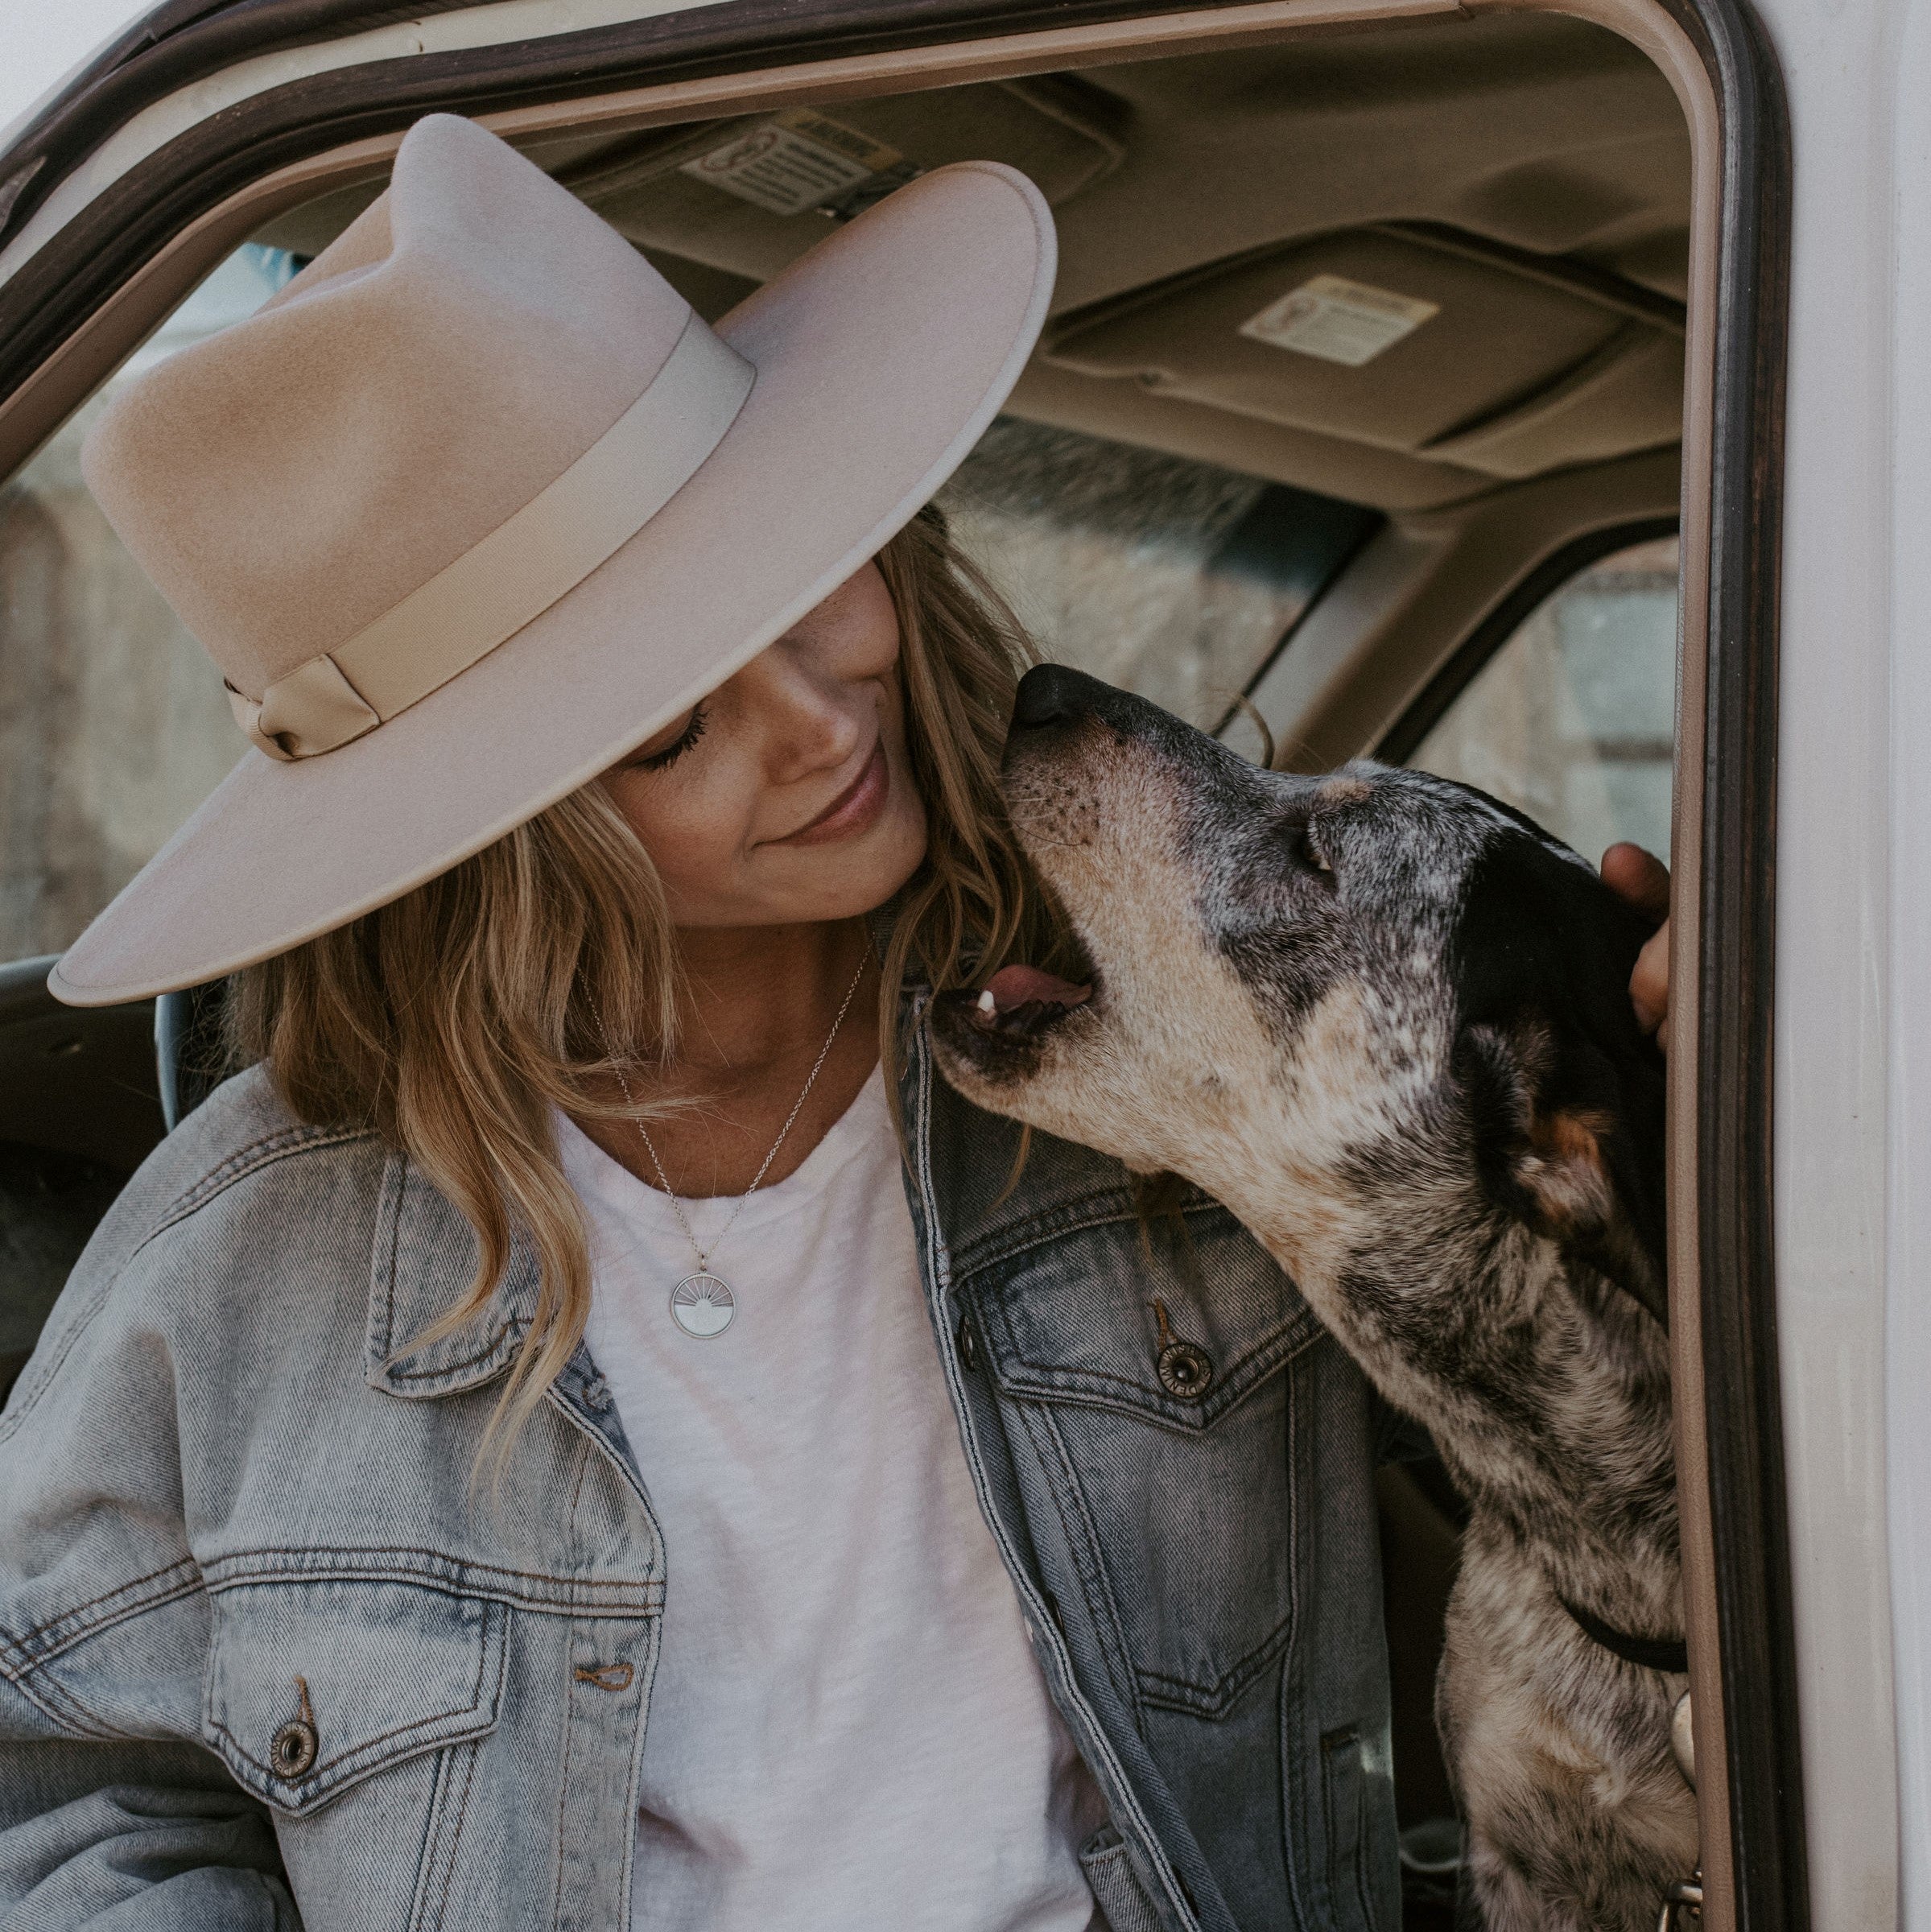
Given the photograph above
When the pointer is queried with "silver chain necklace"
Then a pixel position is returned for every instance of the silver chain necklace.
(702, 1303)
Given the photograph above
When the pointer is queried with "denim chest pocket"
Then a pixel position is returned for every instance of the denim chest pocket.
(313, 1686)
(1153, 1373)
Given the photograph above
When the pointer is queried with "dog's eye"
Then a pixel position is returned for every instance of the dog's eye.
(1308, 851)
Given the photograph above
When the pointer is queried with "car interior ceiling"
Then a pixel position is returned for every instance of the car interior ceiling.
(1524, 178)
(1528, 175)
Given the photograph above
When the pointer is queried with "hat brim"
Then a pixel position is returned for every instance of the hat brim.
(881, 356)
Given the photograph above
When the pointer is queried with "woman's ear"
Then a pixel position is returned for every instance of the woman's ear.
(1555, 1146)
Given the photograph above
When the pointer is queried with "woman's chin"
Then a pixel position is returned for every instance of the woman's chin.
(816, 885)
(875, 866)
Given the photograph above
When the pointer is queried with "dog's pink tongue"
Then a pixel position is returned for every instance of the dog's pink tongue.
(1023, 985)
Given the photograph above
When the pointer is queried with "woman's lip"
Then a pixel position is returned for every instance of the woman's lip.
(855, 810)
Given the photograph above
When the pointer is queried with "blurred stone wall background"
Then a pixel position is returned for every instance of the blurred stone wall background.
(113, 722)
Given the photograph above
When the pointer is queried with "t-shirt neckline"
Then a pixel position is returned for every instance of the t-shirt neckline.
(593, 1172)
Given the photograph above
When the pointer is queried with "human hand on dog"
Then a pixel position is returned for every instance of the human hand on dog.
(1643, 879)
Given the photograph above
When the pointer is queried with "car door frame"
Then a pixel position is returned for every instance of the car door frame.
(1730, 1403)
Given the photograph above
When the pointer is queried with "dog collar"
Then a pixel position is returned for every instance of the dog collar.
(1667, 1653)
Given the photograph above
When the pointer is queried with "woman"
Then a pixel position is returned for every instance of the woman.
(493, 1467)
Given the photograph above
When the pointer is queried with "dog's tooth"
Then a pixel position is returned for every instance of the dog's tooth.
(988, 1005)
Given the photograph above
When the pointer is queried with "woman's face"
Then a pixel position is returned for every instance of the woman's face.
(786, 796)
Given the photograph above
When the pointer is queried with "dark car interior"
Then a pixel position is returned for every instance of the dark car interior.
(1359, 330)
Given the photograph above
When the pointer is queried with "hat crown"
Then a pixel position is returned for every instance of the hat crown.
(452, 353)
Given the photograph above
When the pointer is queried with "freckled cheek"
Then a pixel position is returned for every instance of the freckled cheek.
(868, 642)
(695, 834)
(874, 653)
(909, 830)
(906, 804)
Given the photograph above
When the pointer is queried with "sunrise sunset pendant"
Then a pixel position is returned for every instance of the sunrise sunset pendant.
(701, 1305)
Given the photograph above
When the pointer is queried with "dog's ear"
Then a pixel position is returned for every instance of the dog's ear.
(1565, 1090)
(1553, 1149)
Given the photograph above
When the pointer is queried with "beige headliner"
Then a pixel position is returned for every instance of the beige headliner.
(1536, 169)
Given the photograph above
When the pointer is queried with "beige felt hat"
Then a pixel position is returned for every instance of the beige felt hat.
(476, 503)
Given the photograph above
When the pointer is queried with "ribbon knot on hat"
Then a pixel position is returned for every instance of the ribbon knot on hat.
(478, 503)
(520, 568)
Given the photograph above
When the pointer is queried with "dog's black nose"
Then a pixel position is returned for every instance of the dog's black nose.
(1051, 694)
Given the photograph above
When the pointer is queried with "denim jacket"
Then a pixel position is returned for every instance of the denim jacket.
(269, 1656)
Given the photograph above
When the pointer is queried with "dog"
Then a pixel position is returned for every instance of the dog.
(1385, 1019)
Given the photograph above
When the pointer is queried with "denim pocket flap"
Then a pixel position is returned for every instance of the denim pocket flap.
(1176, 1321)
(313, 1685)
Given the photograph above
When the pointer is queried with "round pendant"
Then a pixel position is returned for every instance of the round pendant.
(701, 1305)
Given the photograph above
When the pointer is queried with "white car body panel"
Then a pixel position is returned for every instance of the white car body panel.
(1901, 443)
(1835, 997)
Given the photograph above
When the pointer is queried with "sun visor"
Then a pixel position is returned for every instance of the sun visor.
(1406, 338)
(749, 195)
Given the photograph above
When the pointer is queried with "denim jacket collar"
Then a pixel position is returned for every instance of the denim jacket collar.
(422, 1246)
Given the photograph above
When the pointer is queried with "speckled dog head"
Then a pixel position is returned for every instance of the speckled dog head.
(1315, 997)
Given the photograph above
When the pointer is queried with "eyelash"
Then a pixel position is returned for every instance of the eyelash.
(671, 753)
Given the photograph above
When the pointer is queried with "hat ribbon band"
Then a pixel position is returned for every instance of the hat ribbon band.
(542, 552)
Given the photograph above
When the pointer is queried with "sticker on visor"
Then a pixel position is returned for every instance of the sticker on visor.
(1339, 320)
(799, 159)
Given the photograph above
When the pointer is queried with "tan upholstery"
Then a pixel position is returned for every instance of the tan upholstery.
(1036, 127)
(1471, 383)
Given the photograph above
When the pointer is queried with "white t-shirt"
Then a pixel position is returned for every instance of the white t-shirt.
(848, 1728)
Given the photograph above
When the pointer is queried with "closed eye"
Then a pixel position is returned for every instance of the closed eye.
(693, 730)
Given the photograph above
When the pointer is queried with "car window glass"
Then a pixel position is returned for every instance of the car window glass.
(1573, 720)
(1176, 579)
(112, 723)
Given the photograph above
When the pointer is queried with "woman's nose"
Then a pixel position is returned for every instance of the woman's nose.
(811, 724)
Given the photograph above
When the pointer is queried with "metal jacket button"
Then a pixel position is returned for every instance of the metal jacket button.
(968, 1346)
(1184, 1370)
(291, 1751)
(1183, 1367)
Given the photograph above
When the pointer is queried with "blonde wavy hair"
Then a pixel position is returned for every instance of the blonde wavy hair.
(453, 1021)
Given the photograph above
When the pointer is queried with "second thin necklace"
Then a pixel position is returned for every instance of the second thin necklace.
(702, 1303)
